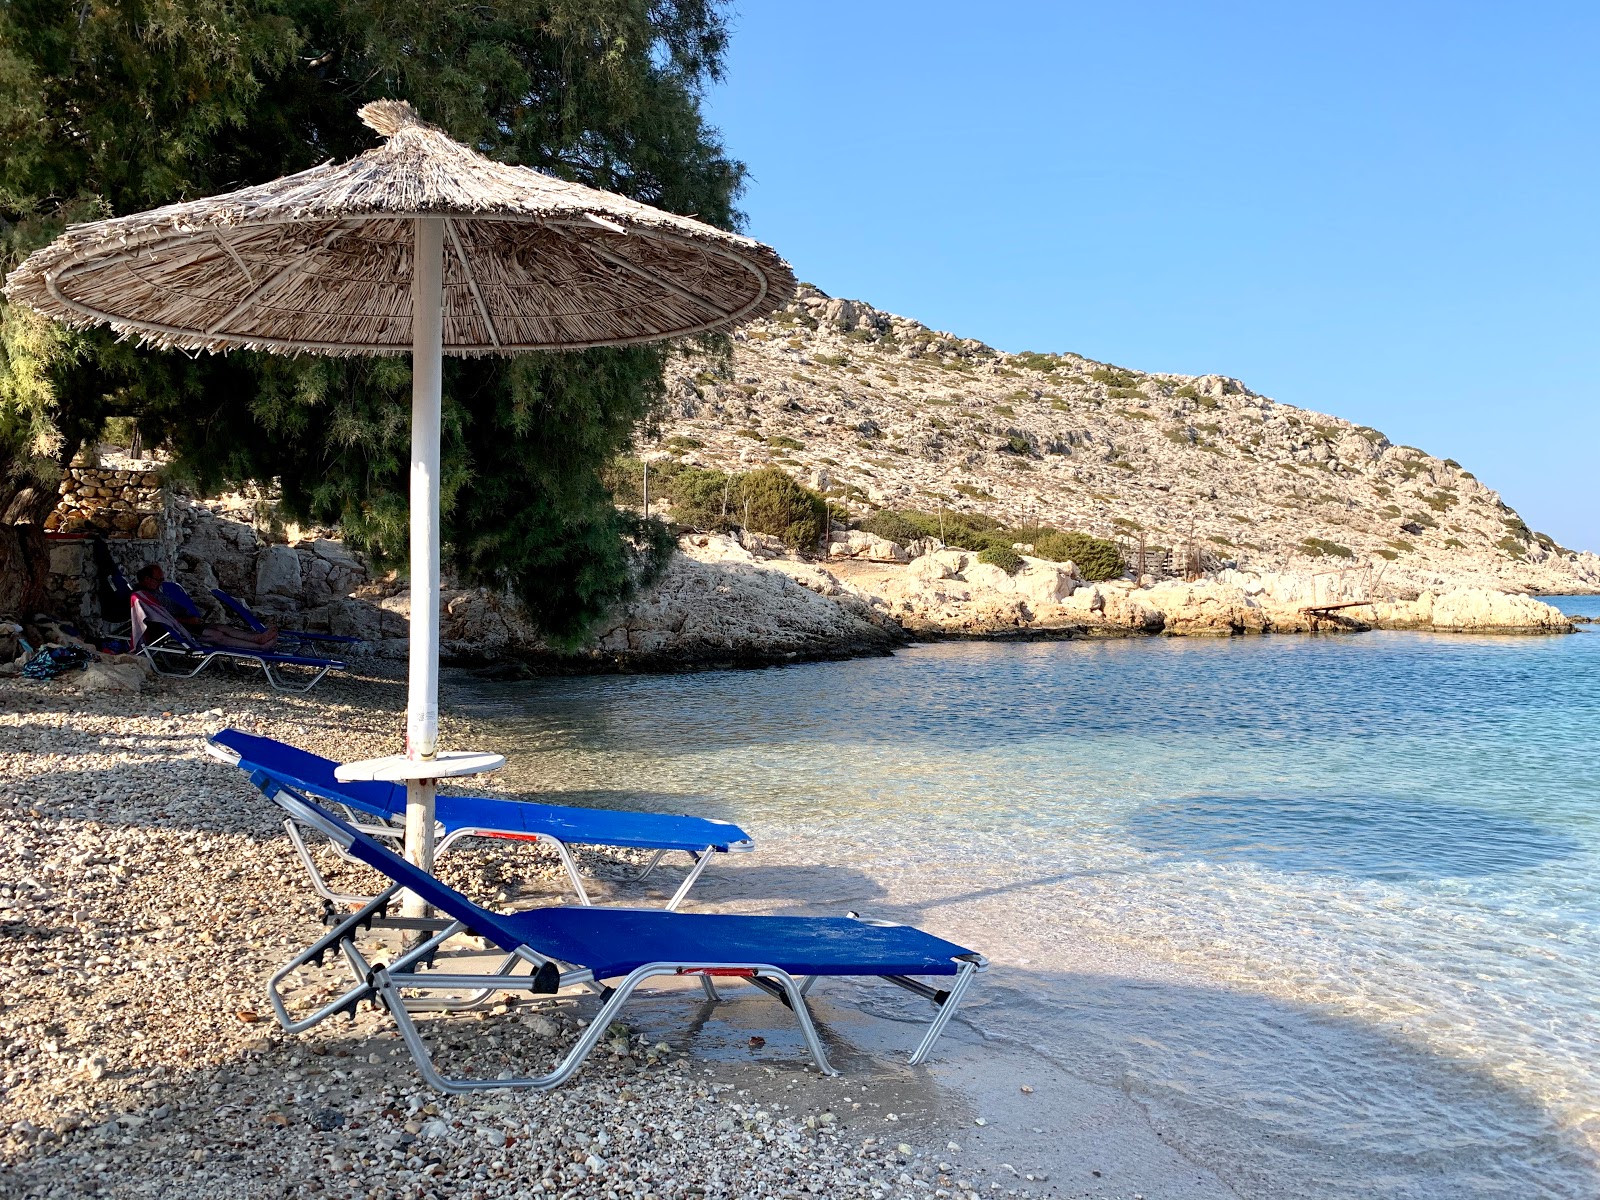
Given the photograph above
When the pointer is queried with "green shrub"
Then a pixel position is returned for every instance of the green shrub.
(1455, 543)
(1114, 377)
(698, 498)
(1036, 362)
(1016, 443)
(621, 477)
(898, 527)
(1319, 547)
(1391, 555)
(1403, 546)
(1004, 557)
(779, 442)
(1512, 546)
(679, 441)
(782, 507)
(965, 531)
(1095, 558)
(1440, 501)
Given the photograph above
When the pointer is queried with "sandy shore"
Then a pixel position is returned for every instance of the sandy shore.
(148, 893)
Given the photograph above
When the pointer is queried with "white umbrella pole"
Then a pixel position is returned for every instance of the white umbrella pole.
(422, 706)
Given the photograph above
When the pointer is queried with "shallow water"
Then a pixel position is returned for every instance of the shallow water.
(1329, 907)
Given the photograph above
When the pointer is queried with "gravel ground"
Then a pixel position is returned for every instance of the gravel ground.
(146, 893)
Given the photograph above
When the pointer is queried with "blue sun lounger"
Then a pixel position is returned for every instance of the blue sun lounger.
(162, 639)
(179, 600)
(461, 817)
(242, 610)
(564, 947)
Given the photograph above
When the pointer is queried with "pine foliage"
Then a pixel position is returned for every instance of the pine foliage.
(114, 108)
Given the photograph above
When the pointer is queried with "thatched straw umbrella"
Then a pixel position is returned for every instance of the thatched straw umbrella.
(420, 245)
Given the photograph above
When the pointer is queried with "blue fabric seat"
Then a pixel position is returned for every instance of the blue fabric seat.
(460, 817)
(614, 942)
(565, 947)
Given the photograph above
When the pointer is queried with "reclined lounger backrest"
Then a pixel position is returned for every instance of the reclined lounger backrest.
(179, 600)
(313, 773)
(239, 609)
(146, 615)
(307, 812)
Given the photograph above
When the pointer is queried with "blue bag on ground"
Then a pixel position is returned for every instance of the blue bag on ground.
(56, 660)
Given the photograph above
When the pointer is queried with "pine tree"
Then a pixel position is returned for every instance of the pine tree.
(113, 108)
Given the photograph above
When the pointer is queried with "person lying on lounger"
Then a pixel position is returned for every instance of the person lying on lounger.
(149, 581)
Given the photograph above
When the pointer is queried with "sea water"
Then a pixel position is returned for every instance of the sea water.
(1328, 907)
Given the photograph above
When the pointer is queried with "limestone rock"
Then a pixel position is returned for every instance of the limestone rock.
(278, 572)
(121, 673)
(857, 543)
(1205, 607)
(1474, 610)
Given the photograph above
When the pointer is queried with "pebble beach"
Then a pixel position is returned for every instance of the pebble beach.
(147, 895)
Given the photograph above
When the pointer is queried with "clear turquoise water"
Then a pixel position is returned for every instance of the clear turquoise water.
(1328, 907)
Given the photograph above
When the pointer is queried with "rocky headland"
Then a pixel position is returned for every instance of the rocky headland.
(1247, 515)
(878, 411)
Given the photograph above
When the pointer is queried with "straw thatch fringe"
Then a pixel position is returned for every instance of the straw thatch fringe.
(321, 262)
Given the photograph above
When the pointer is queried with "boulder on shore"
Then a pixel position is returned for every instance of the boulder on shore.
(1473, 610)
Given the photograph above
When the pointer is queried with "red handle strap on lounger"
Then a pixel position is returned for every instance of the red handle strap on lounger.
(730, 972)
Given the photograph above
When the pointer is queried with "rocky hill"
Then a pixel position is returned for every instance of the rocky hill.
(881, 412)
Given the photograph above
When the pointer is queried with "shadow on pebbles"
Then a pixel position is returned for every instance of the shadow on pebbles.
(145, 895)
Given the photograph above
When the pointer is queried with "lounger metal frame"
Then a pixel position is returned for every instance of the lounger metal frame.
(166, 644)
(395, 832)
(388, 984)
(170, 640)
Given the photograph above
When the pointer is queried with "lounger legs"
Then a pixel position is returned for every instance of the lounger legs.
(266, 669)
(336, 940)
(390, 986)
(152, 656)
(655, 861)
(700, 860)
(947, 1009)
(571, 865)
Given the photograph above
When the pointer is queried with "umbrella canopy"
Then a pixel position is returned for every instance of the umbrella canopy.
(323, 262)
(419, 245)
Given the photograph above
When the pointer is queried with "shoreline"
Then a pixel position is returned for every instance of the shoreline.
(154, 892)
(125, 823)
(808, 613)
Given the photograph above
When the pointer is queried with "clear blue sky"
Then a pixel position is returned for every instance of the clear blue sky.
(1383, 211)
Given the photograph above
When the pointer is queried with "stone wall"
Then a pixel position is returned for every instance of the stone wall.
(116, 503)
(71, 589)
(130, 509)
